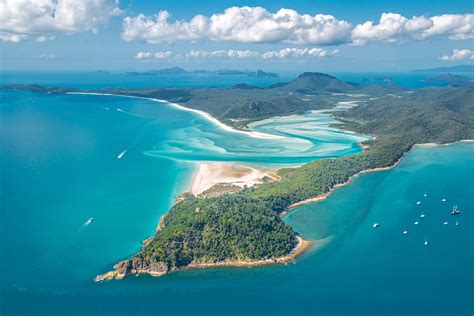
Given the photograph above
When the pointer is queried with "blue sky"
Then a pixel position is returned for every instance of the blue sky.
(333, 36)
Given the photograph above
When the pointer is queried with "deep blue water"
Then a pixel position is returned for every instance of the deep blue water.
(95, 80)
(59, 167)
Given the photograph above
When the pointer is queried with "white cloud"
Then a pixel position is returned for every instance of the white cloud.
(300, 53)
(240, 24)
(44, 38)
(47, 56)
(231, 53)
(149, 55)
(240, 54)
(459, 54)
(43, 19)
(257, 25)
(143, 55)
(163, 55)
(395, 28)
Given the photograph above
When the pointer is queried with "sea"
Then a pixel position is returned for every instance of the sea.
(123, 161)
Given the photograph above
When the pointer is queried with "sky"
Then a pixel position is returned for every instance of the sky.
(317, 35)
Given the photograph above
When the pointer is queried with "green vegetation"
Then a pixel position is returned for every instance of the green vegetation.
(246, 225)
(243, 103)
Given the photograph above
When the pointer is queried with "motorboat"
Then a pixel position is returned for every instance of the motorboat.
(455, 210)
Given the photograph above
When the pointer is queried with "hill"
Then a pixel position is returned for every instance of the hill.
(315, 82)
(246, 226)
(242, 103)
(219, 72)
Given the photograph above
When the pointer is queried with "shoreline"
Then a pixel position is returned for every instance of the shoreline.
(206, 115)
(301, 247)
(196, 187)
(210, 174)
(324, 196)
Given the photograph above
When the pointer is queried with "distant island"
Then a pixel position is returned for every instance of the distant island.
(458, 68)
(244, 227)
(451, 80)
(220, 72)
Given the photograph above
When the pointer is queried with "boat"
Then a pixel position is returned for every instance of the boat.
(417, 222)
(376, 225)
(455, 210)
(405, 232)
(119, 156)
(422, 215)
(89, 221)
(445, 223)
(425, 195)
(457, 223)
(443, 200)
(418, 203)
(426, 241)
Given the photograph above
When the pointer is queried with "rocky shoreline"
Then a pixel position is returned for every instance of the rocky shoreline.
(136, 266)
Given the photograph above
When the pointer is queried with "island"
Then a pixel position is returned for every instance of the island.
(457, 68)
(220, 72)
(451, 80)
(244, 227)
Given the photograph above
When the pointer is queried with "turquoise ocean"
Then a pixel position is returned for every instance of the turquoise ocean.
(59, 166)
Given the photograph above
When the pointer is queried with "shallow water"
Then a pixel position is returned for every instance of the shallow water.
(59, 168)
(121, 161)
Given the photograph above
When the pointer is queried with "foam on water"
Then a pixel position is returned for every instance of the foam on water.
(59, 162)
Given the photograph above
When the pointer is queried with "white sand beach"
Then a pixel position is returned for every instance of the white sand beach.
(201, 113)
(211, 173)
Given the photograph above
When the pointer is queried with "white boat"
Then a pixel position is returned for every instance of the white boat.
(416, 222)
(443, 200)
(425, 195)
(422, 215)
(405, 232)
(88, 222)
(376, 225)
(119, 156)
(457, 223)
(455, 210)
(426, 241)
(445, 223)
(418, 202)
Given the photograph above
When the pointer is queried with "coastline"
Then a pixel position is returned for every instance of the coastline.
(206, 115)
(121, 268)
(198, 185)
(354, 176)
(301, 247)
(210, 174)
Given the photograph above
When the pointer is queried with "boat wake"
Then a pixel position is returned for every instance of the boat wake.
(119, 156)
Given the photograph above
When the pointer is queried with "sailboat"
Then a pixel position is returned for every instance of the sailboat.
(455, 210)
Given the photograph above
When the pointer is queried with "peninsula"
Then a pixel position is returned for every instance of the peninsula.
(246, 227)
